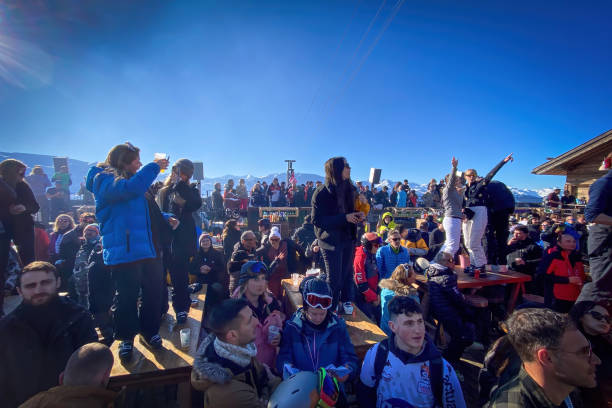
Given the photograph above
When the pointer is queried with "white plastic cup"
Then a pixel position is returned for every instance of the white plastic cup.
(185, 337)
(295, 279)
(161, 156)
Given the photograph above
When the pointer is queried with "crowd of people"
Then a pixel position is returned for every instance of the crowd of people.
(113, 267)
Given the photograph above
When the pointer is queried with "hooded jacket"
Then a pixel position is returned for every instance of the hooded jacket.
(385, 228)
(304, 235)
(402, 368)
(308, 349)
(123, 214)
(389, 289)
(444, 296)
(31, 364)
(226, 384)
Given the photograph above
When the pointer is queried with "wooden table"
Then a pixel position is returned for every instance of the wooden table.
(364, 333)
(171, 365)
(465, 281)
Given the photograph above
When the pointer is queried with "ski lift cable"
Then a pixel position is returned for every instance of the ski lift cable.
(361, 41)
(395, 11)
(333, 57)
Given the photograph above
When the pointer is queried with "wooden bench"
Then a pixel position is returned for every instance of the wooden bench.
(364, 333)
(171, 365)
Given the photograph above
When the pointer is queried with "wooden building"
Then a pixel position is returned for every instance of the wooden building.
(580, 165)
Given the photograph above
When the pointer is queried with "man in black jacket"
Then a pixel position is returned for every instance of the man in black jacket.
(524, 255)
(500, 207)
(304, 235)
(37, 338)
(244, 251)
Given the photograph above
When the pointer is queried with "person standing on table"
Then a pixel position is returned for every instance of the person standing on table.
(476, 201)
(128, 243)
(335, 220)
(253, 287)
(314, 337)
(282, 257)
(599, 242)
(452, 201)
(181, 199)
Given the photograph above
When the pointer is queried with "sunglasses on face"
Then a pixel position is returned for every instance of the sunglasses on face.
(395, 239)
(274, 240)
(320, 301)
(599, 316)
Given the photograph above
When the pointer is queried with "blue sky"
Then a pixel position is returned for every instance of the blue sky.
(243, 85)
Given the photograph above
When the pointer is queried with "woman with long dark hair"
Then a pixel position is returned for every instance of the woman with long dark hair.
(182, 199)
(335, 219)
(119, 185)
(17, 204)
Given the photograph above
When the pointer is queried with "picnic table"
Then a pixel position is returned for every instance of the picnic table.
(364, 333)
(465, 281)
(171, 365)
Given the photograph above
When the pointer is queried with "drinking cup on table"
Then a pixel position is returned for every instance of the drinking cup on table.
(295, 279)
(185, 337)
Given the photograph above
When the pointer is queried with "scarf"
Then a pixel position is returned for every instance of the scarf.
(236, 354)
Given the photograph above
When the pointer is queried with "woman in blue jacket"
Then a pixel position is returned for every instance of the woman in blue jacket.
(129, 244)
(314, 337)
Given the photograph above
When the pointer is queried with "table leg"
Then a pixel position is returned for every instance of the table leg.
(516, 288)
(184, 394)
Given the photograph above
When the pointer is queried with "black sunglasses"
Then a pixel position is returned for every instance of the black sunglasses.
(395, 239)
(598, 316)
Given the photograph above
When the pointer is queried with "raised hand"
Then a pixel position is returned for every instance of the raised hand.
(509, 158)
(454, 162)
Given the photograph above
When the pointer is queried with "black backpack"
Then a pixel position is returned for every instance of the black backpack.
(435, 371)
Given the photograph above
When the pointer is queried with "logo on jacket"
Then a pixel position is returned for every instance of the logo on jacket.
(424, 386)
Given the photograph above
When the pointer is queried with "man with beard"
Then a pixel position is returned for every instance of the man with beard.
(40, 335)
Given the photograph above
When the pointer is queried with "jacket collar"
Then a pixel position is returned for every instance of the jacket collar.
(535, 392)
(429, 352)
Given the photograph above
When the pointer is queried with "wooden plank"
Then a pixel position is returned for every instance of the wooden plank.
(172, 364)
(364, 333)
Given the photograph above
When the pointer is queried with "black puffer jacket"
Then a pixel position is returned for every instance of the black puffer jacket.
(331, 226)
(445, 299)
(182, 200)
(304, 236)
(31, 364)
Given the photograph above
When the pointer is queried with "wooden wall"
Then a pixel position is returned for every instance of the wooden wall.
(582, 176)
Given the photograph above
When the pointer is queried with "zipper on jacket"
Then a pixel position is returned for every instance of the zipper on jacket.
(127, 240)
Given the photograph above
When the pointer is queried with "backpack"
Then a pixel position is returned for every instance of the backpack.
(435, 371)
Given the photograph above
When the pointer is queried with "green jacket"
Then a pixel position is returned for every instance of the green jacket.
(523, 392)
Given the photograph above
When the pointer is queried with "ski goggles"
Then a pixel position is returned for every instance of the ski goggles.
(329, 390)
(320, 301)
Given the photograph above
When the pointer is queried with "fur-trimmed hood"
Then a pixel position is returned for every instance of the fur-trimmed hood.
(398, 288)
(205, 372)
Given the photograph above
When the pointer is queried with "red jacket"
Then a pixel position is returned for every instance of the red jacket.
(366, 273)
(558, 265)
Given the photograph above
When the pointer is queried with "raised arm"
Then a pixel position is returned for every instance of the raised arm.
(495, 169)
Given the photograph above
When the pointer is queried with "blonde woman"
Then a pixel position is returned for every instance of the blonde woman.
(399, 284)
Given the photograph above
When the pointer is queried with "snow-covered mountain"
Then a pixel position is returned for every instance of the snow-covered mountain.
(79, 168)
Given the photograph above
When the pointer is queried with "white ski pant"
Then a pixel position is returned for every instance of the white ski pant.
(452, 230)
(473, 231)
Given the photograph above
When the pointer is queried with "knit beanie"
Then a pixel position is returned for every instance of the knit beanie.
(91, 226)
(251, 270)
(316, 285)
(274, 232)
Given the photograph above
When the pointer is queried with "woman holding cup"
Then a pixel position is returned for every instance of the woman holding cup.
(253, 286)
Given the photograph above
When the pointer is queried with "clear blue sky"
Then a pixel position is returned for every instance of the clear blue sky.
(243, 85)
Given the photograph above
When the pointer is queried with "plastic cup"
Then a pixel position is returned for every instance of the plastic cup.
(273, 333)
(295, 279)
(161, 156)
(185, 335)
